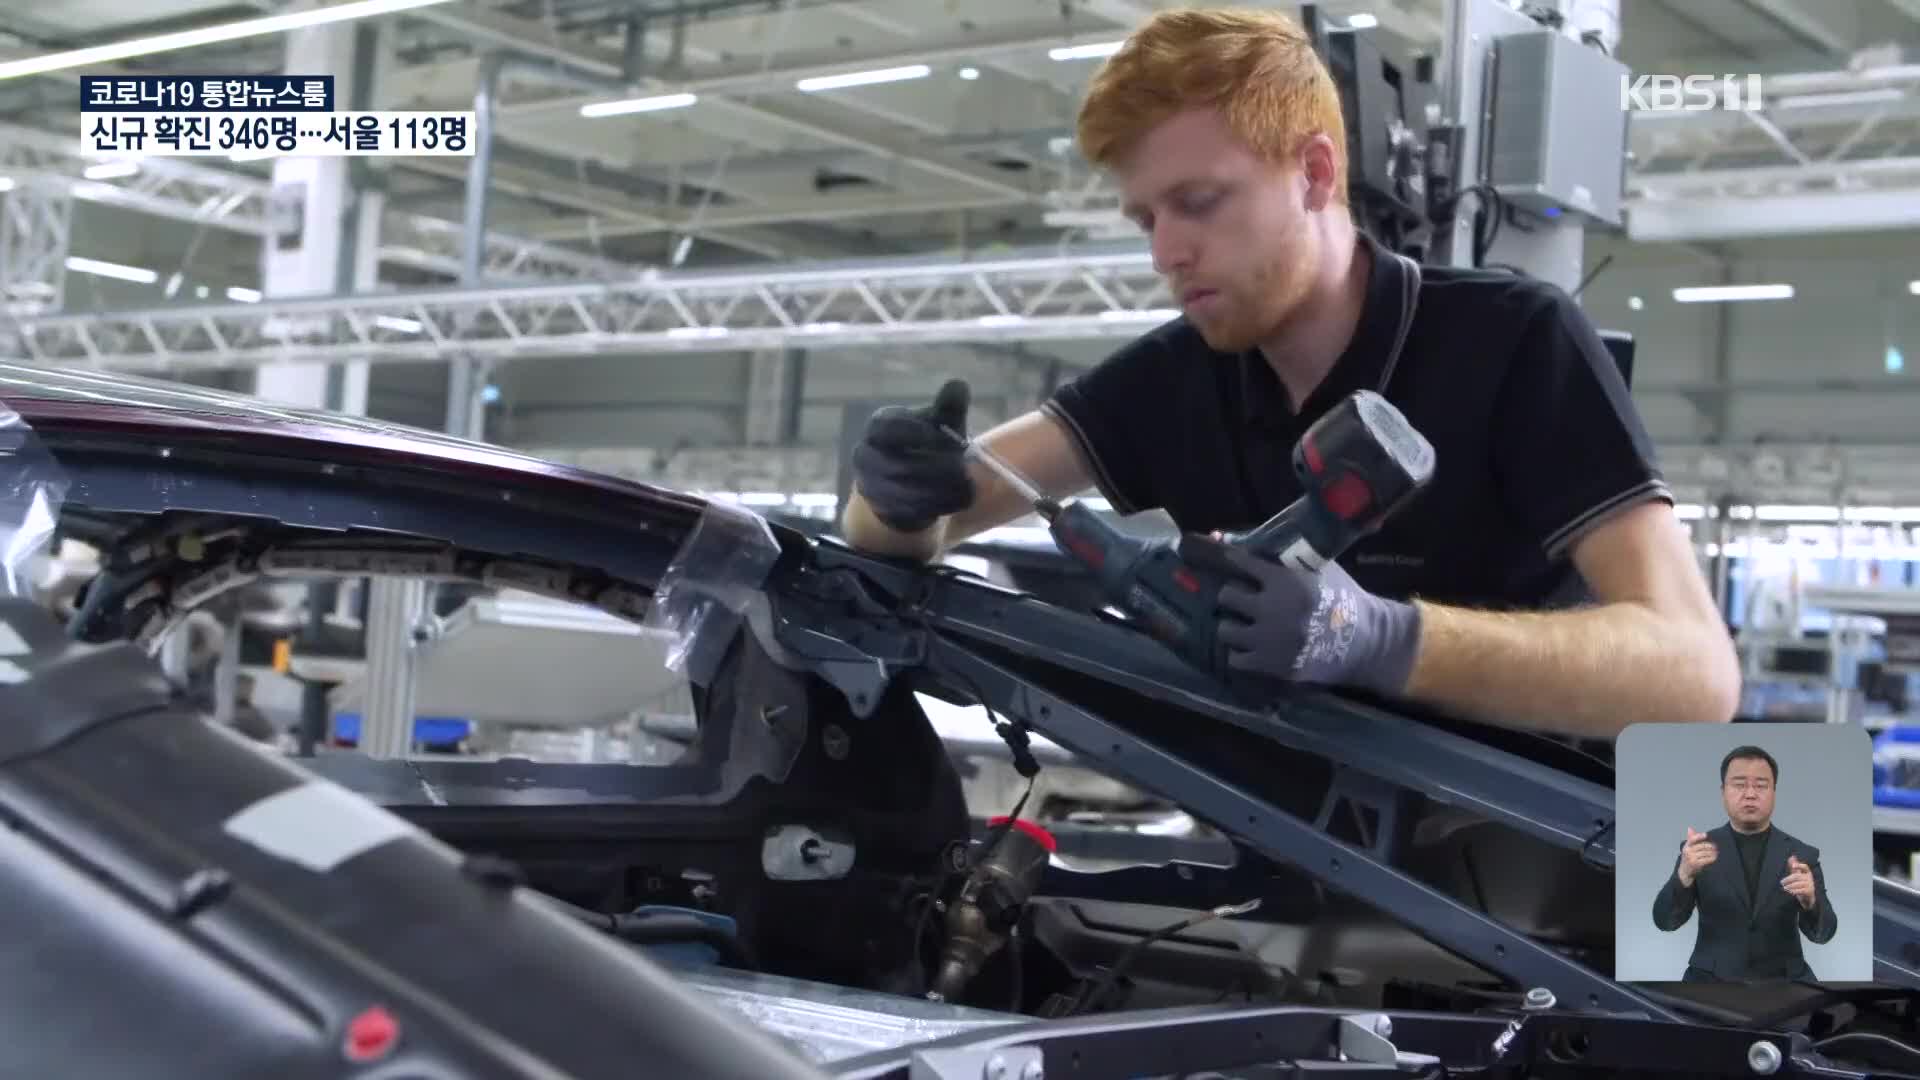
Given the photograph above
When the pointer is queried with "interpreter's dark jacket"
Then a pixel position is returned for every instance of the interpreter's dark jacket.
(1744, 935)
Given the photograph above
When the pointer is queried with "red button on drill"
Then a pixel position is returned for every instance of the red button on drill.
(1348, 496)
(371, 1035)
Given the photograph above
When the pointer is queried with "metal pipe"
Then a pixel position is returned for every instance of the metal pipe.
(633, 63)
(480, 169)
(465, 382)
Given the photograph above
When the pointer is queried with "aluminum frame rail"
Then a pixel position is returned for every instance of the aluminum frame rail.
(1053, 296)
(1833, 151)
(434, 244)
(220, 198)
(165, 187)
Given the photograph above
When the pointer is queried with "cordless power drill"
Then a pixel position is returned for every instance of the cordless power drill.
(1357, 465)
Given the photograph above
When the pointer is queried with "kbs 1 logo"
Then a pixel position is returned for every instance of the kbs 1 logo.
(1690, 93)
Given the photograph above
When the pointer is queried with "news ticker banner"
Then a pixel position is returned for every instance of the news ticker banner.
(254, 116)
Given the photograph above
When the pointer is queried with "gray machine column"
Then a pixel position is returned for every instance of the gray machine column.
(337, 252)
(1549, 248)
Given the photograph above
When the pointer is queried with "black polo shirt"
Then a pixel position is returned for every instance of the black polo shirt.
(1535, 436)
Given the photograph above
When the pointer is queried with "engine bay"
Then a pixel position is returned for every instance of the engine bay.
(914, 814)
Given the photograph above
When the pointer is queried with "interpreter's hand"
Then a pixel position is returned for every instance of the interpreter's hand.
(910, 471)
(1699, 852)
(1303, 627)
(1799, 882)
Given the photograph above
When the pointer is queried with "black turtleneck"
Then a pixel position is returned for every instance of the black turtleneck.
(1753, 848)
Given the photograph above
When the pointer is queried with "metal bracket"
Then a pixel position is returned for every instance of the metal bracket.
(848, 638)
(798, 853)
(1001, 1063)
(1284, 837)
(1422, 759)
(1366, 1038)
(1366, 793)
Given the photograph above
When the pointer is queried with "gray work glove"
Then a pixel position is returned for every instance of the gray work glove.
(910, 472)
(1287, 624)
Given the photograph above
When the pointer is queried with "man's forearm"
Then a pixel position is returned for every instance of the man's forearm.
(1586, 672)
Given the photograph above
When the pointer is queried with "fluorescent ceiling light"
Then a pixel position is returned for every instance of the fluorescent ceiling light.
(863, 78)
(242, 295)
(1000, 320)
(137, 275)
(1084, 52)
(1844, 97)
(1707, 294)
(969, 73)
(1362, 21)
(111, 170)
(206, 35)
(6, 184)
(638, 105)
(1914, 287)
(396, 323)
(698, 332)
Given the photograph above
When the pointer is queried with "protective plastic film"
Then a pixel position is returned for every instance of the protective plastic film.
(32, 488)
(827, 1023)
(700, 599)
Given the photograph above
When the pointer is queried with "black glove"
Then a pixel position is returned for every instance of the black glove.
(1287, 624)
(910, 472)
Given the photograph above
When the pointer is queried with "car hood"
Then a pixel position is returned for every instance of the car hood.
(88, 418)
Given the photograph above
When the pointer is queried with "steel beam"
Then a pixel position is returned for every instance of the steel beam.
(604, 63)
(164, 187)
(434, 244)
(1048, 296)
(981, 47)
(200, 195)
(1798, 214)
(1807, 22)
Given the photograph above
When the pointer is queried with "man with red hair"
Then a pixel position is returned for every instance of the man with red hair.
(1541, 581)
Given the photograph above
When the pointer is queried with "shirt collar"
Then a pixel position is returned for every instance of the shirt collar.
(1362, 365)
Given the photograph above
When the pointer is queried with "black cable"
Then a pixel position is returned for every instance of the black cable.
(920, 940)
(1487, 220)
(1874, 1038)
(1587, 848)
(1493, 209)
(1111, 977)
(665, 928)
(1591, 274)
(1113, 974)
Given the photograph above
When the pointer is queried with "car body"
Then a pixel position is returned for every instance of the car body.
(818, 835)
